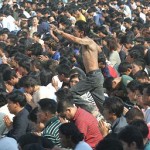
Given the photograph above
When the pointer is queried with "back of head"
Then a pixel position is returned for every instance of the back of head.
(134, 114)
(132, 136)
(65, 102)
(28, 81)
(48, 105)
(124, 66)
(109, 144)
(35, 146)
(17, 97)
(141, 126)
(114, 105)
(71, 131)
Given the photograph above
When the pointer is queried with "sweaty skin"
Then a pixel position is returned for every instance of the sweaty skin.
(89, 49)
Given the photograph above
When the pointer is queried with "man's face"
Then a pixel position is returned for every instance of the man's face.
(77, 32)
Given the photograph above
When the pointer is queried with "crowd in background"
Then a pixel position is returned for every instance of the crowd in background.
(51, 97)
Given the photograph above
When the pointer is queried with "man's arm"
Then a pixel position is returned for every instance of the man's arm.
(71, 37)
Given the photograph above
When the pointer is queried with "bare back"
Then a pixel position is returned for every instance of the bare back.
(90, 55)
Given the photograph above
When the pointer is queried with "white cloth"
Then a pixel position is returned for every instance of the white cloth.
(4, 109)
(114, 58)
(44, 92)
(82, 146)
(127, 11)
(143, 16)
(7, 143)
(9, 23)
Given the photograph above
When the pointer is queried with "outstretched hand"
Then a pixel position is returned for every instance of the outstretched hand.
(55, 29)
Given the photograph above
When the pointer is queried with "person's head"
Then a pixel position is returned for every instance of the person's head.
(46, 109)
(101, 60)
(69, 135)
(125, 68)
(36, 65)
(109, 144)
(16, 101)
(31, 138)
(137, 65)
(113, 108)
(121, 4)
(24, 66)
(127, 23)
(74, 79)
(29, 84)
(131, 138)
(66, 106)
(46, 77)
(133, 114)
(10, 77)
(141, 126)
(50, 45)
(35, 21)
(142, 76)
(81, 29)
(131, 90)
(63, 72)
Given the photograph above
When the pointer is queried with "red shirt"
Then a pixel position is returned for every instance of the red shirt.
(88, 125)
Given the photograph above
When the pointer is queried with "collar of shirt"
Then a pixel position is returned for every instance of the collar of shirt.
(53, 119)
(78, 112)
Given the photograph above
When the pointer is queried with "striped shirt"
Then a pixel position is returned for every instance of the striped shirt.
(51, 130)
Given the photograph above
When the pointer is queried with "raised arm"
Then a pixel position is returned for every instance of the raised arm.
(70, 37)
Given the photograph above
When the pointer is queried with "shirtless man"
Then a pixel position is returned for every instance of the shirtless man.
(94, 80)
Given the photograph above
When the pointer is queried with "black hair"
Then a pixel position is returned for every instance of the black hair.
(17, 97)
(114, 105)
(133, 85)
(109, 144)
(26, 64)
(139, 62)
(63, 69)
(141, 74)
(133, 114)
(83, 26)
(46, 77)
(131, 134)
(36, 49)
(36, 63)
(65, 101)
(30, 138)
(9, 74)
(48, 105)
(28, 81)
(141, 126)
(108, 83)
(102, 58)
(71, 131)
(124, 66)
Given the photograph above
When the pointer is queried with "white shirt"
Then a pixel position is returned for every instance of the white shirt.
(143, 16)
(82, 146)
(127, 11)
(44, 92)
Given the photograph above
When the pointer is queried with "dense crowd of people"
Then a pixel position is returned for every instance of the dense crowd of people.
(74, 74)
